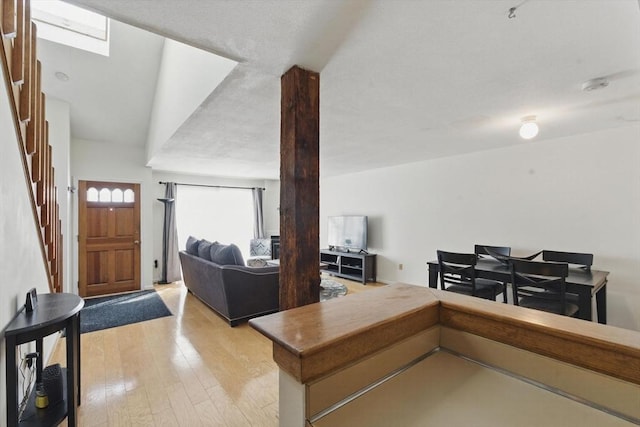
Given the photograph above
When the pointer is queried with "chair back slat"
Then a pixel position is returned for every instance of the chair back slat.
(500, 250)
(577, 258)
(457, 258)
(452, 279)
(541, 268)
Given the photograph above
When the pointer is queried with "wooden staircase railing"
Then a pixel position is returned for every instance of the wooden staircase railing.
(22, 72)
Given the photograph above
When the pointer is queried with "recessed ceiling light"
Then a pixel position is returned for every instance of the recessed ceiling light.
(62, 76)
(595, 84)
(529, 128)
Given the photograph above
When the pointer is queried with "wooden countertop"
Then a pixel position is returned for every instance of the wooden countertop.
(333, 333)
(316, 339)
(607, 349)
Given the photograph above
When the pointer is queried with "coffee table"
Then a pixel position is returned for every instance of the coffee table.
(276, 263)
(329, 289)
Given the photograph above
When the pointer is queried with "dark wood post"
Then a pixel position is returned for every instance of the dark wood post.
(299, 188)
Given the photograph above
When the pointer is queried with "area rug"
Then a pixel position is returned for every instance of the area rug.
(122, 309)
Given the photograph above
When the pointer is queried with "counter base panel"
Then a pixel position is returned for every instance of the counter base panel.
(446, 389)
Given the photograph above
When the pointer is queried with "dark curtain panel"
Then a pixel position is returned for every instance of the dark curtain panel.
(171, 234)
(258, 221)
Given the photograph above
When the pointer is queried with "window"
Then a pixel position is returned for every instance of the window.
(92, 195)
(106, 195)
(116, 195)
(129, 196)
(70, 25)
(216, 214)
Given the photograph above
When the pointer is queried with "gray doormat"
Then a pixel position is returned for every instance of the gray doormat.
(122, 309)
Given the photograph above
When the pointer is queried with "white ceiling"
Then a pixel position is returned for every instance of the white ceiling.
(110, 97)
(401, 80)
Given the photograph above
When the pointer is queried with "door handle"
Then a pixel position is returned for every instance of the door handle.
(136, 242)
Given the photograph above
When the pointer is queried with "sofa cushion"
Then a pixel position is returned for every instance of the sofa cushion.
(204, 249)
(226, 255)
(192, 245)
(213, 252)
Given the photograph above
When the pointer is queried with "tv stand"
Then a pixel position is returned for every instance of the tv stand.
(350, 265)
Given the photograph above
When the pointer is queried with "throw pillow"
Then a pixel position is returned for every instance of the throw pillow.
(260, 247)
(215, 247)
(228, 255)
(192, 245)
(204, 249)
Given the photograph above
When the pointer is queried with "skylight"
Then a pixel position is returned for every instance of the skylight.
(70, 25)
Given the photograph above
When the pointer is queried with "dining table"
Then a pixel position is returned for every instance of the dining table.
(583, 282)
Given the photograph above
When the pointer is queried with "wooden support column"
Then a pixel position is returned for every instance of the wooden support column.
(299, 188)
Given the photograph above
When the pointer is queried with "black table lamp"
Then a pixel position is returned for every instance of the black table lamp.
(165, 238)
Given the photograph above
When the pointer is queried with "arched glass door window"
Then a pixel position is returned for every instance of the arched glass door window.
(107, 195)
(129, 196)
(117, 196)
(92, 195)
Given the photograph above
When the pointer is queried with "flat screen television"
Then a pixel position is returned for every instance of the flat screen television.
(347, 233)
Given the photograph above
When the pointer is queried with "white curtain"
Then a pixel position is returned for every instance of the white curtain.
(173, 273)
(258, 220)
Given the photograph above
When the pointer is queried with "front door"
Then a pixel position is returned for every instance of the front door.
(108, 237)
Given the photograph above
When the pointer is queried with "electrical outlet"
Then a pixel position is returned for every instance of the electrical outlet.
(400, 266)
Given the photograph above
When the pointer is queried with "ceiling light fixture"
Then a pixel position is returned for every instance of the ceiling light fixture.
(529, 128)
(594, 84)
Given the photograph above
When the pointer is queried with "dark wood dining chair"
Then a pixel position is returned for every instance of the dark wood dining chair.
(576, 258)
(584, 260)
(541, 285)
(493, 251)
(458, 274)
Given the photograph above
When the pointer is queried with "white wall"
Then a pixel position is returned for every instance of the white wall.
(91, 160)
(21, 261)
(186, 78)
(60, 139)
(580, 193)
(270, 198)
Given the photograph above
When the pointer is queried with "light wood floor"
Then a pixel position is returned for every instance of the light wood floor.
(189, 369)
